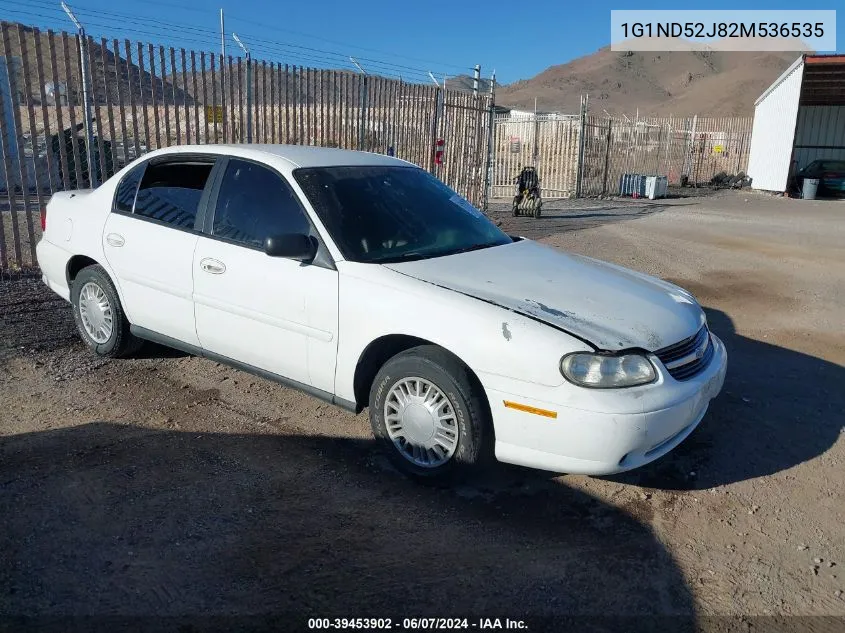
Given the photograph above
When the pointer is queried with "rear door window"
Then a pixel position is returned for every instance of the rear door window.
(170, 192)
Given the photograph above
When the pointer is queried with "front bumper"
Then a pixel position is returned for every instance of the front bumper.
(588, 438)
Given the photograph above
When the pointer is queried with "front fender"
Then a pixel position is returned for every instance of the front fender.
(494, 342)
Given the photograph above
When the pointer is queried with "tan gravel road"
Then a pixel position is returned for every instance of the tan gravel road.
(171, 485)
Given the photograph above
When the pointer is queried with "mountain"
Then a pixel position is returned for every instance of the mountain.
(464, 83)
(712, 83)
(111, 75)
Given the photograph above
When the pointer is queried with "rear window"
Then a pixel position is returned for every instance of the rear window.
(171, 192)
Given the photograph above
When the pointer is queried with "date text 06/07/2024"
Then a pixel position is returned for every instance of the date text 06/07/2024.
(416, 624)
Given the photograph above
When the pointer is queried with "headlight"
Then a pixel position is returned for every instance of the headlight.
(606, 372)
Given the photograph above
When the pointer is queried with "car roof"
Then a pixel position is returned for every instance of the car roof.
(296, 155)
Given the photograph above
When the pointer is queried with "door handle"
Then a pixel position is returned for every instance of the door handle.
(212, 266)
(113, 239)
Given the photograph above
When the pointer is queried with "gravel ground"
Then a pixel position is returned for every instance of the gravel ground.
(171, 485)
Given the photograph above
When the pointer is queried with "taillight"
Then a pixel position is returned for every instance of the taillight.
(43, 219)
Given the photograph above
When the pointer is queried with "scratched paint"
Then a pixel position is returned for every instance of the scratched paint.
(506, 332)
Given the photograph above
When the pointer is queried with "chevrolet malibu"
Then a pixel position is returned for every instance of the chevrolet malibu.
(365, 281)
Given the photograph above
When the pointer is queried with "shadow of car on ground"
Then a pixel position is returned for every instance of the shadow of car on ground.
(114, 519)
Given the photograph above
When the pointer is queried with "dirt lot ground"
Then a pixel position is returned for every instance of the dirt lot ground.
(171, 485)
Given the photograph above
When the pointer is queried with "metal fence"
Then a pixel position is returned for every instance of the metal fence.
(582, 155)
(141, 97)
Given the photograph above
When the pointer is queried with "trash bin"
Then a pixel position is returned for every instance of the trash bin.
(811, 186)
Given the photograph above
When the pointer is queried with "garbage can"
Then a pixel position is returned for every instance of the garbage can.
(811, 186)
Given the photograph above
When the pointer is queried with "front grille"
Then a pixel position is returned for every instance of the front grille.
(685, 359)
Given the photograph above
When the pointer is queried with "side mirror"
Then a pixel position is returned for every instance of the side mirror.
(296, 246)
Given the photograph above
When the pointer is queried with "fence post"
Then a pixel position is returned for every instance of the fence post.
(582, 131)
(248, 97)
(606, 159)
(362, 132)
(86, 100)
(435, 121)
(248, 56)
(363, 113)
(659, 145)
(491, 131)
(688, 163)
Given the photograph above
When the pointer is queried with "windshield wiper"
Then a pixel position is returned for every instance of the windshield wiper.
(467, 249)
(417, 255)
(404, 257)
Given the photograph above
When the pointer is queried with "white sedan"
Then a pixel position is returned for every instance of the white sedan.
(365, 281)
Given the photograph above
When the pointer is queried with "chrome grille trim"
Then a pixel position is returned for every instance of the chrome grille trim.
(688, 357)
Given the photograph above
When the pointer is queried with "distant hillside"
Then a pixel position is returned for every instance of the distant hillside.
(660, 83)
(110, 75)
(464, 82)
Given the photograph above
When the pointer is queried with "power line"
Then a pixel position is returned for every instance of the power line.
(381, 66)
(315, 37)
(298, 59)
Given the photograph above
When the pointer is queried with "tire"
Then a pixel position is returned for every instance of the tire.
(464, 397)
(93, 284)
(538, 205)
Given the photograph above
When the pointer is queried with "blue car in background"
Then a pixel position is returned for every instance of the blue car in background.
(831, 175)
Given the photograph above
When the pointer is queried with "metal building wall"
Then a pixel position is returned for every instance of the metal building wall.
(772, 135)
(820, 133)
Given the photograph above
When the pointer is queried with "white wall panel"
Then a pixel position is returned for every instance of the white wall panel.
(773, 132)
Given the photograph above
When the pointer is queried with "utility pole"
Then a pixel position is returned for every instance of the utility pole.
(476, 75)
(86, 100)
(248, 87)
(362, 130)
(222, 36)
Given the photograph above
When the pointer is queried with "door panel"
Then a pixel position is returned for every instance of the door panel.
(154, 270)
(149, 241)
(275, 314)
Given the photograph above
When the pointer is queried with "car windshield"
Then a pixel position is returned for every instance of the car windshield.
(382, 214)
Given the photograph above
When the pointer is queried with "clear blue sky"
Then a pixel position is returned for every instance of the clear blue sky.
(518, 39)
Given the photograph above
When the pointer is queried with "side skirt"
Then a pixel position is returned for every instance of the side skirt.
(167, 341)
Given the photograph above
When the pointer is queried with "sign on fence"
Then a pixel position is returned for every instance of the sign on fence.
(214, 113)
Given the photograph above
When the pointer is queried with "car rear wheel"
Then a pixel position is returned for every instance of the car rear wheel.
(429, 415)
(99, 316)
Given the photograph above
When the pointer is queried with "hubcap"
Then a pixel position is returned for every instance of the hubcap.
(95, 312)
(421, 422)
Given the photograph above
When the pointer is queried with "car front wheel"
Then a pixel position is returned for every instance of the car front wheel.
(429, 414)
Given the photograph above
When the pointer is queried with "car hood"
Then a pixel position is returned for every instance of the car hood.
(607, 305)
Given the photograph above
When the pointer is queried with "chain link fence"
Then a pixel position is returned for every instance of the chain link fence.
(582, 155)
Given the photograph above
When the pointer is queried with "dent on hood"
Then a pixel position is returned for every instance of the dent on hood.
(603, 338)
